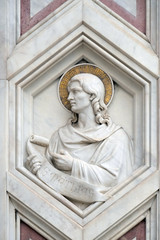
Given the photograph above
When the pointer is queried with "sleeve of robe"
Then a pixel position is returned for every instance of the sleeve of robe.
(111, 164)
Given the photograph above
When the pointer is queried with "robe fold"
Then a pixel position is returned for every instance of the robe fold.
(102, 156)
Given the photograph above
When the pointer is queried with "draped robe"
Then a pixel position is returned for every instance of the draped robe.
(102, 156)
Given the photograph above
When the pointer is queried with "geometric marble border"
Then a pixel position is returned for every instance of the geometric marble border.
(9, 35)
(138, 21)
(147, 209)
(28, 22)
(84, 12)
(57, 69)
(105, 210)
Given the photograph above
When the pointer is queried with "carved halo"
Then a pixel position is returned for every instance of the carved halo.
(85, 68)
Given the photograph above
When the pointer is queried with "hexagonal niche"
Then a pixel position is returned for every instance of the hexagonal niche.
(41, 112)
(135, 81)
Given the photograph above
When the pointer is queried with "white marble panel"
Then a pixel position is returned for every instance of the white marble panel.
(38, 5)
(48, 212)
(3, 41)
(48, 114)
(138, 51)
(126, 41)
(130, 6)
(46, 104)
(3, 157)
(43, 113)
(121, 110)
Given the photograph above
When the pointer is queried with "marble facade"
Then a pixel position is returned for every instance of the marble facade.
(130, 6)
(38, 6)
(31, 66)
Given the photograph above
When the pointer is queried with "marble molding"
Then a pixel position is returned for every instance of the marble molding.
(36, 7)
(27, 232)
(32, 47)
(35, 64)
(133, 11)
(32, 13)
(128, 86)
(137, 233)
(130, 6)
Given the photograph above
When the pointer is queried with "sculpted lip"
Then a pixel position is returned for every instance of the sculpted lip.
(72, 103)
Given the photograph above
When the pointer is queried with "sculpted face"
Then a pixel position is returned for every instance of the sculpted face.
(78, 99)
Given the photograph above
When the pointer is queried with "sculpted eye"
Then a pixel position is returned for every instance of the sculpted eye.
(75, 91)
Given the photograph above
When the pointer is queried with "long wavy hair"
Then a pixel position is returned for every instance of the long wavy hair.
(92, 85)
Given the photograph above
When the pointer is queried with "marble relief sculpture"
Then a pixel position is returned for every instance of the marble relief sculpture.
(90, 154)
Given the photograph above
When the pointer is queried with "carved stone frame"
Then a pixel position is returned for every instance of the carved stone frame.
(83, 39)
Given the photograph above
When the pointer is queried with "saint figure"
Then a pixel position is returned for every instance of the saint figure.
(90, 147)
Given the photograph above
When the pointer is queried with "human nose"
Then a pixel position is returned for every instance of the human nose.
(70, 96)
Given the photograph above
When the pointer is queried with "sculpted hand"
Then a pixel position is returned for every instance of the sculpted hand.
(34, 162)
(63, 161)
